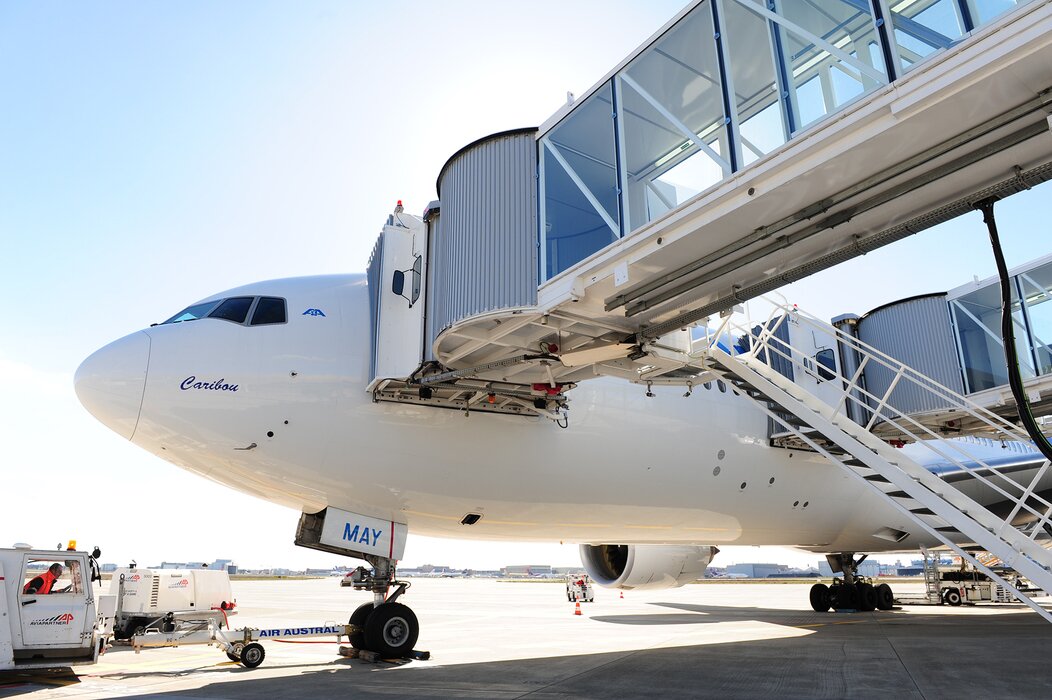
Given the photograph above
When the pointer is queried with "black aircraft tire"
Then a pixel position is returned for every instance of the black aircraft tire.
(885, 598)
(358, 618)
(252, 655)
(391, 630)
(843, 596)
(867, 597)
(820, 597)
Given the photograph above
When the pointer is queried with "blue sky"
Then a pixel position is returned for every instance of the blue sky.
(153, 153)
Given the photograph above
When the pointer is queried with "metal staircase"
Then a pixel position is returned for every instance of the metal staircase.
(932, 588)
(950, 512)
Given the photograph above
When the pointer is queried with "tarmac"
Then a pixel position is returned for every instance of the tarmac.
(491, 639)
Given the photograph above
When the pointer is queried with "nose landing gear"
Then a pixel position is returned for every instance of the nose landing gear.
(853, 592)
(384, 626)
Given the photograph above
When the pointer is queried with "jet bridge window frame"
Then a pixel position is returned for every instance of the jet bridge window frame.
(819, 57)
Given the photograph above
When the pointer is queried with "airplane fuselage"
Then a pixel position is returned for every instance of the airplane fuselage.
(280, 411)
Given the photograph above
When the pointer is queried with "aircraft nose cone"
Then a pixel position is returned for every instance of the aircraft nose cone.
(111, 382)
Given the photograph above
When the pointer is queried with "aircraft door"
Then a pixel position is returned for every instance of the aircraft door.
(816, 351)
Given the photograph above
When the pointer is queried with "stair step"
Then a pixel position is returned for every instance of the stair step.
(790, 403)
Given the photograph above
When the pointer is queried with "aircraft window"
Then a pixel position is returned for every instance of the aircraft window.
(234, 309)
(826, 364)
(269, 310)
(192, 313)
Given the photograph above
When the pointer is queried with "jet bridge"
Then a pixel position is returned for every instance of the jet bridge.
(704, 171)
(699, 173)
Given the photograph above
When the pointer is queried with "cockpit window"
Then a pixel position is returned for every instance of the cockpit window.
(192, 313)
(269, 310)
(234, 309)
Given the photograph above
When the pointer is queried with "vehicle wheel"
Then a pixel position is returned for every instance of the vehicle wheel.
(252, 655)
(867, 597)
(820, 597)
(885, 598)
(235, 653)
(391, 630)
(359, 618)
(134, 626)
(953, 596)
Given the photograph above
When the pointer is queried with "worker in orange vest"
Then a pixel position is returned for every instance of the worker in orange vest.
(42, 584)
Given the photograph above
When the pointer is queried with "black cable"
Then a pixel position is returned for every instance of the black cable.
(1015, 381)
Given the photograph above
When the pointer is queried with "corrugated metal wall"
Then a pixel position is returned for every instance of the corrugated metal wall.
(484, 249)
(917, 332)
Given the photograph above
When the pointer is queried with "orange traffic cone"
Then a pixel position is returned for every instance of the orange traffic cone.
(577, 608)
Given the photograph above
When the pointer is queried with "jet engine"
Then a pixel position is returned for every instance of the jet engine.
(645, 566)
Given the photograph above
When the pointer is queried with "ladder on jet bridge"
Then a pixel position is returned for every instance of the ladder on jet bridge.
(950, 512)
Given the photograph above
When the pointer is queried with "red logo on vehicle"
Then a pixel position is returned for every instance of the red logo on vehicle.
(135, 577)
(63, 619)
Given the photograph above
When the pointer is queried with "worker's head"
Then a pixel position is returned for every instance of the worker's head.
(55, 569)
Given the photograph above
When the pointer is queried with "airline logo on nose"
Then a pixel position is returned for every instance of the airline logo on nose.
(314, 312)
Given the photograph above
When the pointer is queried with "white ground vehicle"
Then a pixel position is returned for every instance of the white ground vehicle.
(158, 598)
(65, 626)
(579, 588)
(957, 586)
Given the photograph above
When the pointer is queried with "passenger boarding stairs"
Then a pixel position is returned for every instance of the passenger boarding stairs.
(932, 584)
(949, 512)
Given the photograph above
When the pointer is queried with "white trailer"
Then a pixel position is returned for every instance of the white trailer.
(156, 598)
(49, 614)
(242, 645)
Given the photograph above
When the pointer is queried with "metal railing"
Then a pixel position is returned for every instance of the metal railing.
(759, 343)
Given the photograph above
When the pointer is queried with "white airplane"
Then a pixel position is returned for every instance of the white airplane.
(263, 388)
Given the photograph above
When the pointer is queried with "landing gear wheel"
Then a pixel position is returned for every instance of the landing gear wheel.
(820, 597)
(252, 655)
(358, 618)
(843, 597)
(391, 630)
(867, 597)
(953, 597)
(234, 654)
(885, 598)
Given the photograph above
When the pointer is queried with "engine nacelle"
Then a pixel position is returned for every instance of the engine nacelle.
(645, 566)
